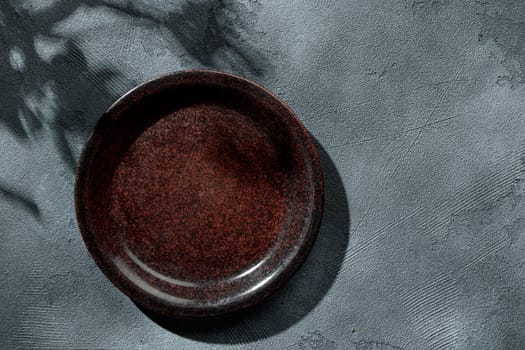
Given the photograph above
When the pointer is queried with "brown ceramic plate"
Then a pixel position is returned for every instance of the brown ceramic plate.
(199, 193)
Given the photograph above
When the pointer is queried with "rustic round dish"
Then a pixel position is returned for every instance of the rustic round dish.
(199, 193)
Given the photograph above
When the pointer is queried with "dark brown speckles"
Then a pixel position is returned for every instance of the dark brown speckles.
(199, 193)
(197, 201)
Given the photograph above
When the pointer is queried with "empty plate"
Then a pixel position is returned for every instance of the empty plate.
(199, 193)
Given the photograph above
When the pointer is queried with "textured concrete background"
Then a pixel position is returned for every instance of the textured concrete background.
(418, 106)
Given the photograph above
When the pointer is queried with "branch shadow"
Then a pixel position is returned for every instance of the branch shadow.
(299, 296)
(205, 29)
(20, 201)
(208, 29)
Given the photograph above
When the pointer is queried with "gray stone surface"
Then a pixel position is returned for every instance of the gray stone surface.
(418, 107)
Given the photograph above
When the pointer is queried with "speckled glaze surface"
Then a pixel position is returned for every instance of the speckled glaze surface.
(199, 193)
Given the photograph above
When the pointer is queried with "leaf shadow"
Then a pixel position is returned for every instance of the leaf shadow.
(214, 34)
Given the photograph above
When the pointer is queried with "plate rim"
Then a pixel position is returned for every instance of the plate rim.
(148, 88)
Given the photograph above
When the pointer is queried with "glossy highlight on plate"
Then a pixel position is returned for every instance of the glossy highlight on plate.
(199, 193)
